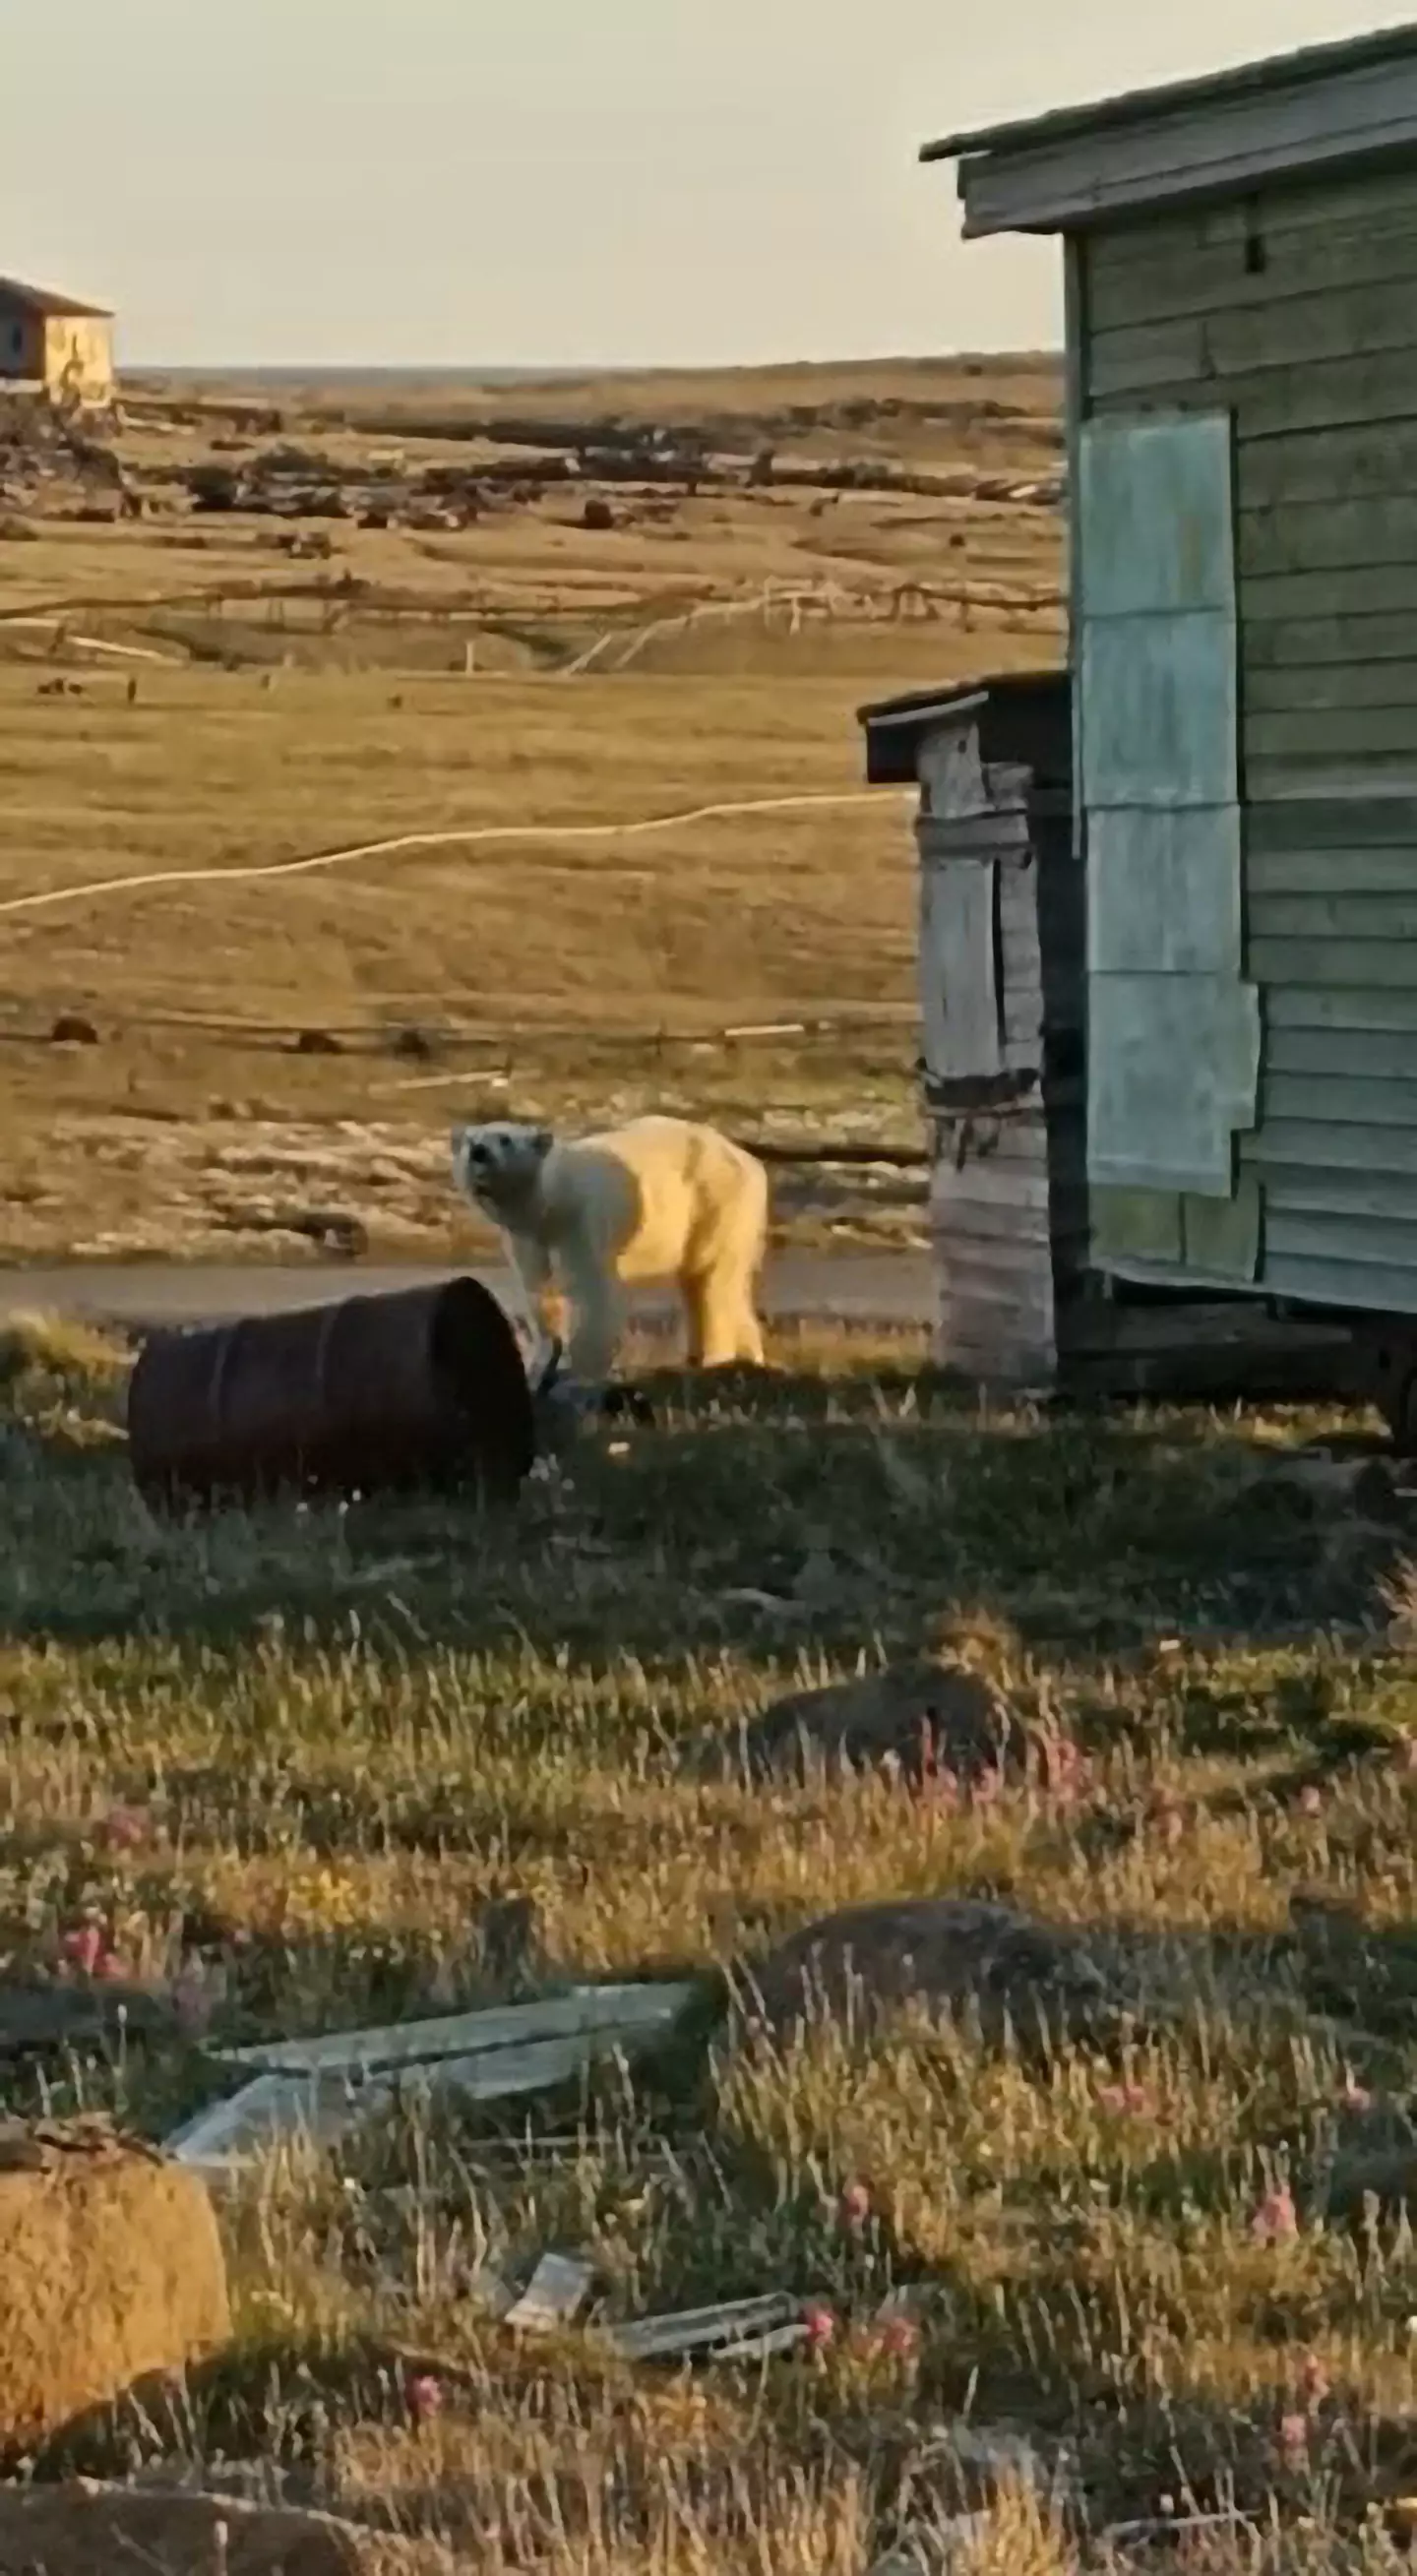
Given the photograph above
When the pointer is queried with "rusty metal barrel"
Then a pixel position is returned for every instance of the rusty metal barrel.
(424, 1387)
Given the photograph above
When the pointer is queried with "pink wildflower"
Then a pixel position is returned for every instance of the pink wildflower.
(820, 2322)
(126, 1827)
(1355, 2096)
(1276, 2221)
(1294, 2435)
(900, 2338)
(854, 2206)
(84, 1948)
(192, 2002)
(1124, 2099)
(110, 1967)
(1313, 2379)
(425, 2396)
(1311, 1799)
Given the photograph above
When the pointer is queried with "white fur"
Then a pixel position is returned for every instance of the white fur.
(659, 1198)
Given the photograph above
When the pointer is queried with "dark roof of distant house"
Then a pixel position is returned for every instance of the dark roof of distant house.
(55, 308)
(1211, 89)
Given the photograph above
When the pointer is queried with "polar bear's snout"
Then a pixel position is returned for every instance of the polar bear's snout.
(498, 1163)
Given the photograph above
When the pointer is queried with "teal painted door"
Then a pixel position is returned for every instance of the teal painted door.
(1173, 1027)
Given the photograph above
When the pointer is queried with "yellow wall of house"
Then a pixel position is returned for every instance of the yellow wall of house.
(78, 355)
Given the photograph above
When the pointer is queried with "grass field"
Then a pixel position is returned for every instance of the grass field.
(302, 684)
(286, 1761)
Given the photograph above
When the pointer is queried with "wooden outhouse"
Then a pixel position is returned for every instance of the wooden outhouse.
(1000, 957)
(1241, 298)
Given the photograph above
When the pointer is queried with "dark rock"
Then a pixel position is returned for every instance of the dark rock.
(318, 1042)
(597, 514)
(952, 1956)
(414, 1046)
(72, 1028)
(345, 1238)
(923, 1719)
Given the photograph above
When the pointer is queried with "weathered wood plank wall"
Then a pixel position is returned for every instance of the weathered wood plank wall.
(1297, 310)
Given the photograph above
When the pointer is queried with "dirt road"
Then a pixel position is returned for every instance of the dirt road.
(866, 1288)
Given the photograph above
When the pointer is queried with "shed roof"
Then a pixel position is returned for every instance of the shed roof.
(43, 300)
(895, 727)
(1226, 131)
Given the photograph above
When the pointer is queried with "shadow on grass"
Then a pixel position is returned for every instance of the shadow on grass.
(767, 1515)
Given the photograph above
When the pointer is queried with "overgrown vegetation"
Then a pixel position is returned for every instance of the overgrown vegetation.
(283, 1764)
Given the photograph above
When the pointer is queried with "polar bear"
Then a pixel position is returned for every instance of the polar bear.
(657, 1198)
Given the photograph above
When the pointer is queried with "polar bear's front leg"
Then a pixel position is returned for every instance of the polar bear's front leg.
(540, 1299)
(597, 1314)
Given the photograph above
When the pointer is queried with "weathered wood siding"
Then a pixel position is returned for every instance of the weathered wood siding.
(1002, 1003)
(1297, 311)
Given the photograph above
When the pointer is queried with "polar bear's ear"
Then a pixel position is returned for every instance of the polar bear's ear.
(542, 1140)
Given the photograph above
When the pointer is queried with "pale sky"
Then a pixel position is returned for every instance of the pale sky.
(556, 182)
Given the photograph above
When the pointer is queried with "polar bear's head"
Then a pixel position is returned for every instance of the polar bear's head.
(497, 1165)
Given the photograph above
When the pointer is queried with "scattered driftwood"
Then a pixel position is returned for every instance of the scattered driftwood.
(554, 2296)
(315, 2090)
(110, 2269)
(735, 2330)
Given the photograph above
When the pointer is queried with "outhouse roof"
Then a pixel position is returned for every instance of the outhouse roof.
(895, 727)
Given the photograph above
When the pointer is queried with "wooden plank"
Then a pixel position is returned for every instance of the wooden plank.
(1302, 330)
(1294, 1005)
(1327, 465)
(1348, 733)
(1007, 1188)
(1077, 305)
(1284, 598)
(1169, 155)
(1319, 536)
(1352, 1100)
(1369, 1055)
(1386, 917)
(1327, 689)
(1341, 873)
(1275, 644)
(1375, 197)
(1373, 1288)
(1275, 401)
(1291, 1190)
(1329, 1236)
(1201, 282)
(1317, 1145)
(1357, 963)
(1359, 772)
(1332, 823)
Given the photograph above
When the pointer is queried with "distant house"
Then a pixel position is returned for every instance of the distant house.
(55, 344)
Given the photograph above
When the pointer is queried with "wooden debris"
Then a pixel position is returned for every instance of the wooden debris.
(736, 2330)
(317, 2089)
(587, 2013)
(554, 2296)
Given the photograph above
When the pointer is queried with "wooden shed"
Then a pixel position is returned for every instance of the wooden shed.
(1001, 961)
(1000, 954)
(1241, 297)
(51, 344)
